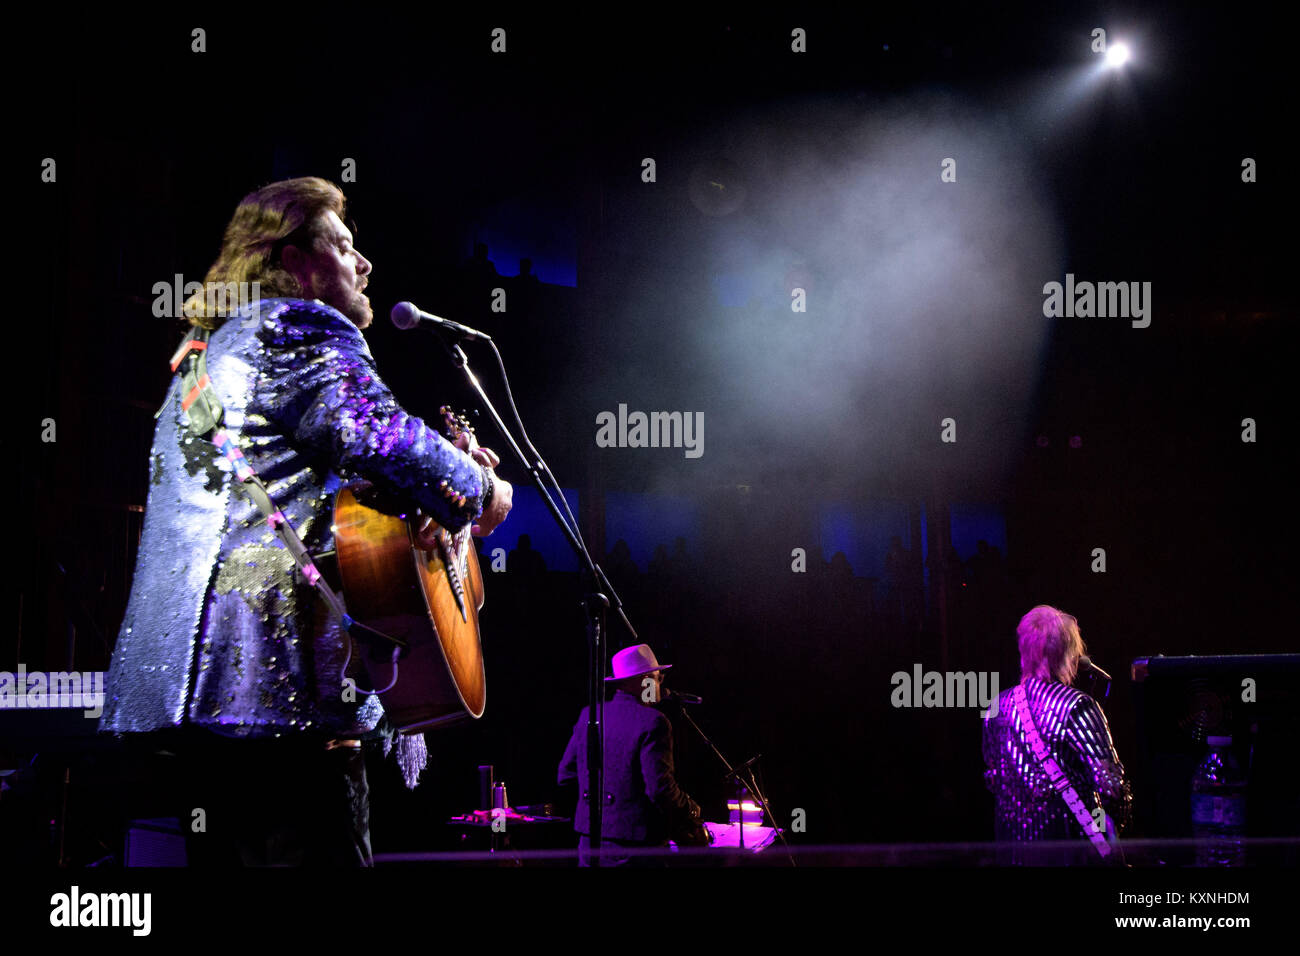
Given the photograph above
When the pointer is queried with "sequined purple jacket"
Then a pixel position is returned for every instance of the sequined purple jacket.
(220, 629)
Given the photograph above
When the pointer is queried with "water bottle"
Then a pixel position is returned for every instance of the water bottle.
(1219, 807)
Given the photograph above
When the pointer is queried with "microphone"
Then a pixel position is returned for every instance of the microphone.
(1093, 667)
(406, 316)
(684, 697)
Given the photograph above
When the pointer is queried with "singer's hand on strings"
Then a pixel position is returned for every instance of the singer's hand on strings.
(426, 539)
(467, 442)
(502, 501)
(503, 493)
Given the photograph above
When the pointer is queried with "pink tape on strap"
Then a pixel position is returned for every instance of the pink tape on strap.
(232, 452)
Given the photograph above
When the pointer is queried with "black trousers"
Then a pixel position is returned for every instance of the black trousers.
(278, 802)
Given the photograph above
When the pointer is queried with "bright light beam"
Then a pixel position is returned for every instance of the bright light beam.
(1116, 55)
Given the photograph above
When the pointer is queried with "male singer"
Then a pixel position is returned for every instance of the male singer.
(226, 654)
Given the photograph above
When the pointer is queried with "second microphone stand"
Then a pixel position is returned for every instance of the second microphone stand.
(744, 777)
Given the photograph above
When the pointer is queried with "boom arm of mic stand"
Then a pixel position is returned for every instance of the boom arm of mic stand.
(534, 473)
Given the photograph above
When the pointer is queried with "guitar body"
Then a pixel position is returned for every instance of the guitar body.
(400, 590)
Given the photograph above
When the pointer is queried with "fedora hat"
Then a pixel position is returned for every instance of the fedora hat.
(634, 662)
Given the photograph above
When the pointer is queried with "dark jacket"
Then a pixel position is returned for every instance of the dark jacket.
(642, 800)
(221, 631)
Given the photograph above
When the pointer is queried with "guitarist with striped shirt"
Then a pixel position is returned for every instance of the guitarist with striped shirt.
(1052, 766)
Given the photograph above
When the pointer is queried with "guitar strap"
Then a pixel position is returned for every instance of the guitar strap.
(1054, 773)
(204, 413)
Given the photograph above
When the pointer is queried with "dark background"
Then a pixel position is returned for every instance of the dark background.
(821, 427)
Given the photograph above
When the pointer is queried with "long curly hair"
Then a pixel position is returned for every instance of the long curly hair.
(281, 214)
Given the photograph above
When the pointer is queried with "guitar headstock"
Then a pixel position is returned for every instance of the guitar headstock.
(454, 423)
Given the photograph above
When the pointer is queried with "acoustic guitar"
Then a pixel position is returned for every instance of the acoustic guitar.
(427, 599)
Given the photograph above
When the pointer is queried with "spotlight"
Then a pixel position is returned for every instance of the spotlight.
(1116, 55)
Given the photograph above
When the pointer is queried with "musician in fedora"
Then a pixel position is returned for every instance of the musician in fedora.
(643, 804)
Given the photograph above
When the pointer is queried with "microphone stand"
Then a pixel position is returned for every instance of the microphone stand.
(1095, 674)
(595, 603)
(741, 783)
(1093, 681)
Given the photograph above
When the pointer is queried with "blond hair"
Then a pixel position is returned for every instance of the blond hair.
(1050, 644)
